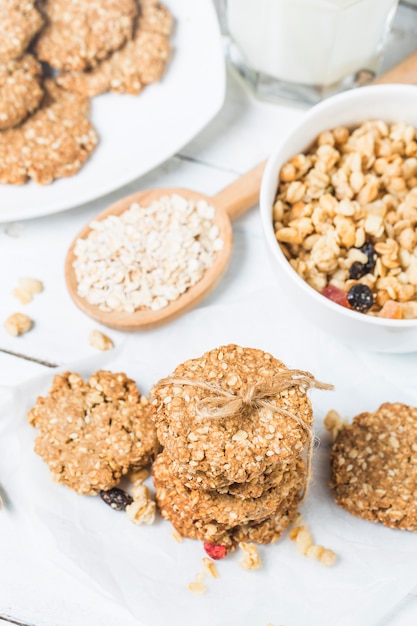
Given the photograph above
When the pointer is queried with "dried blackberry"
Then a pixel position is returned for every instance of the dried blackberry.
(116, 498)
(369, 250)
(357, 270)
(360, 298)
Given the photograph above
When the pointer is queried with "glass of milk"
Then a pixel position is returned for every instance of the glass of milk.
(306, 49)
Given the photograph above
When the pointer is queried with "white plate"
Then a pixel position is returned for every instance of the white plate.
(137, 133)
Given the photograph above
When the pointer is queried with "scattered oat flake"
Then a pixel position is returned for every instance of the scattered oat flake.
(138, 476)
(33, 285)
(197, 587)
(147, 257)
(100, 341)
(304, 542)
(176, 535)
(23, 295)
(210, 567)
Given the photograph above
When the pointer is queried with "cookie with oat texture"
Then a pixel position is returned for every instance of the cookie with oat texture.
(20, 90)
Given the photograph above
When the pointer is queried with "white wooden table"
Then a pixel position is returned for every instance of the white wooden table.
(243, 134)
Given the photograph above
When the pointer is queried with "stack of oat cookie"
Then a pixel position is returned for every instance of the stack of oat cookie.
(89, 46)
(234, 424)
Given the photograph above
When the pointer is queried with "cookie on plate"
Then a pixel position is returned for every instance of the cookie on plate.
(374, 466)
(80, 33)
(19, 22)
(20, 90)
(53, 143)
(140, 62)
(92, 433)
(211, 516)
(210, 450)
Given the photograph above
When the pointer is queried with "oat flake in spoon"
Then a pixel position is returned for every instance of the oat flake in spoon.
(146, 257)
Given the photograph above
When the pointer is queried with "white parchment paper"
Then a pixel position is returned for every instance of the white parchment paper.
(145, 570)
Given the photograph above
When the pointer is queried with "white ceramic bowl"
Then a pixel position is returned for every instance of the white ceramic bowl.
(392, 103)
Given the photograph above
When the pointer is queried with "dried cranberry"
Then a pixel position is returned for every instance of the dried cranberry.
(215, 550)
(116, 498)
(360, 298)
(336, 295)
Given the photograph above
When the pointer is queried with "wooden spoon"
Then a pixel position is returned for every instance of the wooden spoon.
(231, 202)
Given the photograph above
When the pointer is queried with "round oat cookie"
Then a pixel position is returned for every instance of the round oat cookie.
(140, 62)
(208, 515)
(20, 90)
(374, 466)
(92, 433)
(53, 143)
(213, 452)
(80, 33)
(19, 23)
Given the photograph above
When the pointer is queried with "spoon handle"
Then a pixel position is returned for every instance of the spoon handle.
(405, 72)
(242, 194)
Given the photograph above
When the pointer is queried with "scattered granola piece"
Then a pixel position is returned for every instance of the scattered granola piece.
(142, 509)
(33, 285)
(304, 542)
(23, 295)
(92, 433)
(327, 557)
(334, 423)
(176, 535)
(210, 567)
(138, 476)
(19, 22)
(100, 341)
(374, 466)
(80, 33)
(251, 557)
(20, 90)
(197, 587)
(18, 324)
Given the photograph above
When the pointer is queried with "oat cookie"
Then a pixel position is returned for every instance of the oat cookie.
(212, 452)
(92, 433)
(53, 143)
(374, 466)
(140, 62)
(211, 516)
(80, 33)
(19, 22)
(20, 90)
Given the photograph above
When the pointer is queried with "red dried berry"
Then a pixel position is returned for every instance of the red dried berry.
(336, 295)
(215, 550)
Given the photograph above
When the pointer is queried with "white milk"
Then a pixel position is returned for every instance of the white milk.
(315, 42)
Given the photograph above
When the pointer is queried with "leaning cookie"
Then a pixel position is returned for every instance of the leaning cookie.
(92, 433)
(53, 143)
(374, 466)
(20, 90)
(140, 62)
(80, 33)
(208, 515)
(19, 22)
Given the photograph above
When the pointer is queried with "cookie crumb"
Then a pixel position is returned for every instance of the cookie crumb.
(251, 558)
(18, 324)
(210, 567)
(142, 509)
(100, 341)
(304, 542)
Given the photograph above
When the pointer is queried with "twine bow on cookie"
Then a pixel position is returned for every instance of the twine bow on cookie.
(226, 404)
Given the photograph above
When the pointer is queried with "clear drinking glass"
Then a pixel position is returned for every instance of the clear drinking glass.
(306, 49)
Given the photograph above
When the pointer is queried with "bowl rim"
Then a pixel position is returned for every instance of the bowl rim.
(271, 173)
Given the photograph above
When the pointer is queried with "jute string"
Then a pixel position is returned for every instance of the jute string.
(226, 404)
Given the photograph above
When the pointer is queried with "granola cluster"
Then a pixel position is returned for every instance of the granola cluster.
(345, 216)
(374, 466)
(92, 433)
(233, 476)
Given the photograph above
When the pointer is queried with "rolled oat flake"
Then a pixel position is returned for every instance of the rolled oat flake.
(147, 257)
